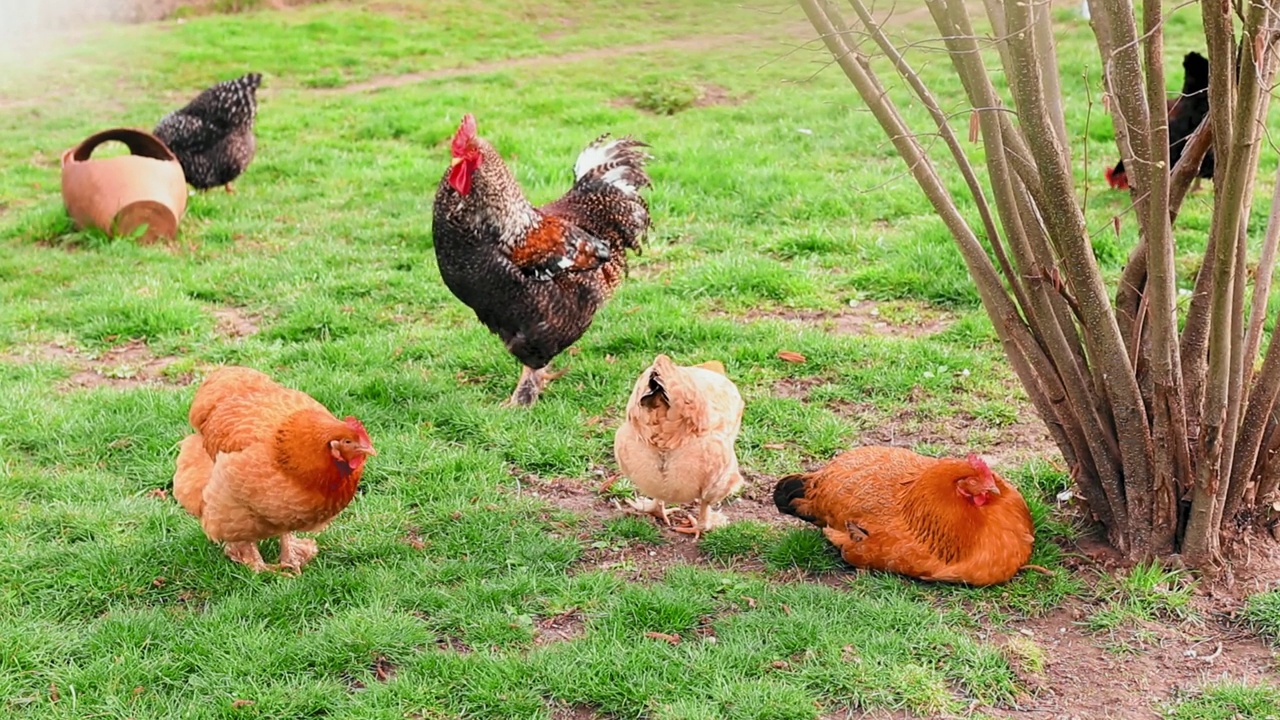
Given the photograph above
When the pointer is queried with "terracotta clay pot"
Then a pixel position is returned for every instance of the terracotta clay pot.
(119, 194)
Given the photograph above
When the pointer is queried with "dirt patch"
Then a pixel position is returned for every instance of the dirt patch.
(867, 317)
(1082, 678)
(123, 366)
(708, 95)
(562, 711)
(1000, 444)
(634, 561)
(686, 44)
(235, 322)
(566, 626)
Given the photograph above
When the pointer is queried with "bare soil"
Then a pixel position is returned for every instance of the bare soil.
(867, 317)
(235, 322)
(131, 364)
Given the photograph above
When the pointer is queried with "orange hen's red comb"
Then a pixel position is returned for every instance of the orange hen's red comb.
(358, 426)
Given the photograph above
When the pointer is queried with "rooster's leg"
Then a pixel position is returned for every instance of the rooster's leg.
(531, 384)
(656, 508)
(246, 553)
(296, 552)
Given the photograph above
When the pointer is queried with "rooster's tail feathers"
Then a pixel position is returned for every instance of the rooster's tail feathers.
(619, 163)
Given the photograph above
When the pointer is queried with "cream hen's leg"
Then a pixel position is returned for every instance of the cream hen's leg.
(296, 552)
(530, 386)
(708, 520)
(246, 553)
(649, 506)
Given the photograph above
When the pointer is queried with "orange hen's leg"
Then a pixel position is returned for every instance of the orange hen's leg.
(246, 553)
(230, 190)
(530, 386)
(296, 552)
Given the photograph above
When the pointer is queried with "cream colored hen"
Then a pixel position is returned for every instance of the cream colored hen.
(676, 442)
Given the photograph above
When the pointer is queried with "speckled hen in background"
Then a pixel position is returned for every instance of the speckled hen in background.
(213, 135)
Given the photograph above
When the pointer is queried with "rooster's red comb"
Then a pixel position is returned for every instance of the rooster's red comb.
(466, 133)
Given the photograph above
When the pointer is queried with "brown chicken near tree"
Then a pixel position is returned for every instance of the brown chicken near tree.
(266, 461)
(536, 276)
(891, 509)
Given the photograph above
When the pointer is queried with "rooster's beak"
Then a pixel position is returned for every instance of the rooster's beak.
(455, 162)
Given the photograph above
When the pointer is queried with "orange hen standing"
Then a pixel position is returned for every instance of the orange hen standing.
(891, 509)
(266, 461)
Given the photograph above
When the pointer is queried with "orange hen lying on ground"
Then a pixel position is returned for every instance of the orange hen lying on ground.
(933, 518)
(266, 461)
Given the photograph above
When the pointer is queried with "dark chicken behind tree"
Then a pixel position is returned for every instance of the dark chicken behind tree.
(213, 135)
(1185, 114)
(536, 276)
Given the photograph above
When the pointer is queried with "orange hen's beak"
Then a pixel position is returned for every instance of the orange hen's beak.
(369, 451)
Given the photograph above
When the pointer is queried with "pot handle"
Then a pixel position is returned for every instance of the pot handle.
(139, 142)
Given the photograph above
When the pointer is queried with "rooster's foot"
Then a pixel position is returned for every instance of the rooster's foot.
(648, 506)
(531, 385)
(296, 552)
(246, 553)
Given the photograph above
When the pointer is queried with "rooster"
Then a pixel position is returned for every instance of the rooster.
(536, 276)
(676, 443)
(1185, 113)
(213, 135)
(266, 461)
(891, 509)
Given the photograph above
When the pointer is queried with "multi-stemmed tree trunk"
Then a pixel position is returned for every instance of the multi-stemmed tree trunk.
(1169, 430)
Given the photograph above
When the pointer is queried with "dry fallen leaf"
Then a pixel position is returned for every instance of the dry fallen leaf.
(779, 665)
(791, 357)
(751, 602)
(673, 639)
(774, 446)
(158, 493)
(53, 692)
(241, 703)
(786, 609)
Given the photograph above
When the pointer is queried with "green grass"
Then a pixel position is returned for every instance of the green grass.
(1229, 701)
(1263, 612)
(780, 198)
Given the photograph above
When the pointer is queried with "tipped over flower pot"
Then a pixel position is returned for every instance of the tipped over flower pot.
(119, 195)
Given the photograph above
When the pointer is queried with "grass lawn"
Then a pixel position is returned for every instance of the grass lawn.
(486, 569)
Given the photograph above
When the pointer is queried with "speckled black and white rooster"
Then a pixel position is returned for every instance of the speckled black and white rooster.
(213, 135)
(536, 276)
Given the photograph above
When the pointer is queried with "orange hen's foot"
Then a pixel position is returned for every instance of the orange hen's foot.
(531, 385)
(230, 190)
(246, 553)
(296, 552)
